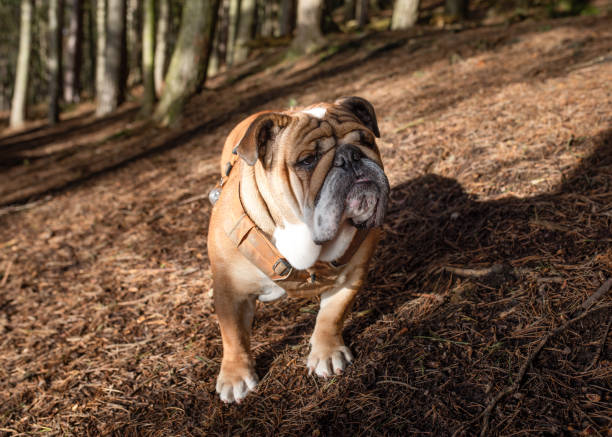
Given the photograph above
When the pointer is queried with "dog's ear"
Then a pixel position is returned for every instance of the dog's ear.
(260, 136)
(363, 110)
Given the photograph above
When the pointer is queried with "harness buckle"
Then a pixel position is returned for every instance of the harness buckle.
(282, 268)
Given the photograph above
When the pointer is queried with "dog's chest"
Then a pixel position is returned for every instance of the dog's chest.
(330, 251)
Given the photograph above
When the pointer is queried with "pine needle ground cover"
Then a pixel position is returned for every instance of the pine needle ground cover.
(486, 309)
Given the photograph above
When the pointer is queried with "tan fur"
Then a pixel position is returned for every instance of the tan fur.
(270, 196)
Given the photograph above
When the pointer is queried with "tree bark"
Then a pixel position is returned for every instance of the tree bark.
(161, 45)
(189, 62)
(456, 8)
(269, 19)
(218, 48)
(5, 80)
(361, 13)
(124, 67)
(100, 44)
(148, 53)
(213, 59)
(234, 22)
(110, 92)
(349, 10)
(55, 58)
(287, 18)
(405, 14)
(134, 37)
(308, 36)
(244, 33)
(222, 31)
(90, 78)
(18, 106)
(72, 72)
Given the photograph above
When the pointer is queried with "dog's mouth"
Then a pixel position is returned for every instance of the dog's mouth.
(361, 202)
(359, 196)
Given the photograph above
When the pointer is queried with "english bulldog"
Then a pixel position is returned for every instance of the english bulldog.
(298, 212)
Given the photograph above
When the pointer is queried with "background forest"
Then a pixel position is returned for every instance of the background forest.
(74, 50)
(488, 307)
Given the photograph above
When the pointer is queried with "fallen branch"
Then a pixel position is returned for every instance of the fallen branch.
(15, 208)
(194, 199)
(587, 310)
(7, 272)
(598, 60)
(486, 414)
(600, 346)
(605, 287)
(475, 273)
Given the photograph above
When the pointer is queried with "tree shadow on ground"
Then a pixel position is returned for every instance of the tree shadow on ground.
(433, 371)
(416, 48)
(70, 128)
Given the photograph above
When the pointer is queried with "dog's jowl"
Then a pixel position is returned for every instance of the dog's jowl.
(297, 212)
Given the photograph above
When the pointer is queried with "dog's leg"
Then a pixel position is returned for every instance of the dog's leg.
(237, 376)
(328, 354)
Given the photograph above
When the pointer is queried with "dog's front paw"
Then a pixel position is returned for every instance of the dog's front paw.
(326, 360)
(233, 384)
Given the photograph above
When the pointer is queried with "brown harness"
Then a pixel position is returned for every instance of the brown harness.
(253, 243)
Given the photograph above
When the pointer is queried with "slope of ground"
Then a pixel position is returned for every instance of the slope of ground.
(498, 146)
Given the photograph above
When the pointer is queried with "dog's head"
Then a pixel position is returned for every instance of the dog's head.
(317, 169)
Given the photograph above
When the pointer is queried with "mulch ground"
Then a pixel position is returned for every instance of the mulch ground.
(498, 145)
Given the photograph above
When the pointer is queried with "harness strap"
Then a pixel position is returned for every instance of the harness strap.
(259, 250)
(254, 245)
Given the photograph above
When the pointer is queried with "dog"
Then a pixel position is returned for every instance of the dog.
(297, 212)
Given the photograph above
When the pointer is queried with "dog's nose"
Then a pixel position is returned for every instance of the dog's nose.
(346, 156)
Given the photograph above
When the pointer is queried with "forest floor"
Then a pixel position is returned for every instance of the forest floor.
(498, 145)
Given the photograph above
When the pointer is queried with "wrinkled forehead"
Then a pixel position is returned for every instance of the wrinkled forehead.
(330, 123)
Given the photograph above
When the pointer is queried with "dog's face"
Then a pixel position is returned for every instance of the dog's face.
(318, 169)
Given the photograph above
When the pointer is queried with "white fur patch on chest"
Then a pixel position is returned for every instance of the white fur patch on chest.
(316, 112)
(294, 242)
(334, 249)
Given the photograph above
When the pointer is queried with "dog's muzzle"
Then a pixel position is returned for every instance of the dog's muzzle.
(355, 188)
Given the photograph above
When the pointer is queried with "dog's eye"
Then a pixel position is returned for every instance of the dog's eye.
(307, 161)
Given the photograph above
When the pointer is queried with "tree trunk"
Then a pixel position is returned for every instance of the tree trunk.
(308, 36)
(189, 62)
(349, 10)
(55, 58)
(456, 8)
(405, 14)
(100, 45)
(234, 22)
(269, 19)
(134, 34)
(361, 13)
(90, 78)
(124, 66)
(222, 31)
(287, 18)
(5, 80)
(18, 107)
(213, 59)
(72, 71)
(161, 44)
(244, 34)
(148, 53)
(38, 82)
(110, 91)
(218, 48)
